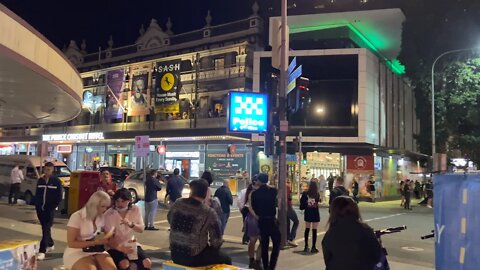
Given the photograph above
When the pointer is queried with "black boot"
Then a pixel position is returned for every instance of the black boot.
(314, 241)
(307, 232)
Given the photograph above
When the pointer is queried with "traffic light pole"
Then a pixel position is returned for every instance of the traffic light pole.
(300, 159)
(282, 160)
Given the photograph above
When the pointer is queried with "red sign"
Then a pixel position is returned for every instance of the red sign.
(64, 148)
(161, 149)
(360, 164)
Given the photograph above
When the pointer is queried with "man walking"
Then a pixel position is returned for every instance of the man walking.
(175, 186)
(322, 187)
(47, 198)
(225, 197)
(291, 216)
(16, 178)
(407, 193)
(330, 181)
(264, 204)
(152, 185)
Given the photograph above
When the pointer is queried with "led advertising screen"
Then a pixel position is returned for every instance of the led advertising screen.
(248, 112)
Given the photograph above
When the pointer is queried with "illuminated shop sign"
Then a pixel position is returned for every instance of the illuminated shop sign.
(248, 112)
(64, 148)
(182, 154)
(73, 137)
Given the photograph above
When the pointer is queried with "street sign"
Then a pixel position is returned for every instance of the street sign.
(248, 112)
(142, 146)
(292, 65)
(294, 75)
(283, 125)
(291, 86)
(161, 149)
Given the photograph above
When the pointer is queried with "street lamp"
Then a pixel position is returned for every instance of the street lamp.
(433, 90)
(320, 110)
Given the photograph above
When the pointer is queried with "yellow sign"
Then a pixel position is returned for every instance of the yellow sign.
(168, 81)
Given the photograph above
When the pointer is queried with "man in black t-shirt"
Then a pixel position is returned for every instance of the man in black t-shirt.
(264, 204)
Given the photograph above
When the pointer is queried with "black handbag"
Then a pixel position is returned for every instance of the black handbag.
(96, 248)
(244, 211)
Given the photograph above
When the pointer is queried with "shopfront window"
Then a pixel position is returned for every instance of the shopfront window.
(90, 156)
(120, 156)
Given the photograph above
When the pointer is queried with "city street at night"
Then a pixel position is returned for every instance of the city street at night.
(406, 250)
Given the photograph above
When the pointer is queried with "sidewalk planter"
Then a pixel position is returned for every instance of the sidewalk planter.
(172, 266)
(18, 254)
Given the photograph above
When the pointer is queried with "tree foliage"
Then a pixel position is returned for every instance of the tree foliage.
(431, 28)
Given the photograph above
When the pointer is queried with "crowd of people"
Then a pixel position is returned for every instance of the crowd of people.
(424, 190)
(101, 234)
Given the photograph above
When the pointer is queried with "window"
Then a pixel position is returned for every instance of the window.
(219, 63)
(31, 173)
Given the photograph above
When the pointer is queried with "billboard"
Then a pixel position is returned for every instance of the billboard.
(93, 99)
(167, 86)
(224, 165)
(115, 85)
(248, 112)
(139, 98)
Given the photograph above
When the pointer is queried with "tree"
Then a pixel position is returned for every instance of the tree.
(431, 28)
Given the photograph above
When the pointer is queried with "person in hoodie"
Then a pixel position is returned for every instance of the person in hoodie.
(47, 198)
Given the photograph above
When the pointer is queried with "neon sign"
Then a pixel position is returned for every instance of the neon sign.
(248, 112)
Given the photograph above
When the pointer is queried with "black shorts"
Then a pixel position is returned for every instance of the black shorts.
(119, 256)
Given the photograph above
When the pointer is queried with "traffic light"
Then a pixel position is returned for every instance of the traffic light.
(268, 144)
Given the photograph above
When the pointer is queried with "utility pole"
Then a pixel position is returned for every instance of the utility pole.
(282, 134)
(197, 73)
(300, 159)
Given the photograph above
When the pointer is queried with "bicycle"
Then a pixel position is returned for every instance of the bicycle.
(383, 262)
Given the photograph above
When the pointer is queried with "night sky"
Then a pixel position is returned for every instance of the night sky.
(95, 21)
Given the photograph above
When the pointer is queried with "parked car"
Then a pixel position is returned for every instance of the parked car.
(118, 174)
(31, 171)
(134, 183)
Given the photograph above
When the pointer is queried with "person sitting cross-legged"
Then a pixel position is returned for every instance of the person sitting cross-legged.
(126, 218)
(195, 230)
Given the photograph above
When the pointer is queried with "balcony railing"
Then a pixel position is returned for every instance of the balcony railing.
(204, 123)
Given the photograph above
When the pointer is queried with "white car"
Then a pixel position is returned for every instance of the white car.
(134, 183)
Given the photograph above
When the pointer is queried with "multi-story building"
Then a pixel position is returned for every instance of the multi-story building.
(360, 121)
(171, 87)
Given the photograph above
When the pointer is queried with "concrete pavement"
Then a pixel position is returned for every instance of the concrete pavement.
(406, 250)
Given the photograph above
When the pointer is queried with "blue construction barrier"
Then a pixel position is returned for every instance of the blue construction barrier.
(457, 221)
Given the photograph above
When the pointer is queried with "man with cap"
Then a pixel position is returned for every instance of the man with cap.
(264, 204)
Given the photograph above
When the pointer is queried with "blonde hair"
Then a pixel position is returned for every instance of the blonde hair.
(94, 202)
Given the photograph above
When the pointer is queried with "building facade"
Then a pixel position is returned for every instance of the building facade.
(171, 87)
(357, 117)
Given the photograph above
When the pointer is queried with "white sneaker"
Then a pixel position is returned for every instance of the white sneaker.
(429, 206)
(41, 256)
(50, 249)
(293, 243)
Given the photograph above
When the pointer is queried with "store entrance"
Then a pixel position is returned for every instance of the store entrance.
(189, 168)
(119, 160)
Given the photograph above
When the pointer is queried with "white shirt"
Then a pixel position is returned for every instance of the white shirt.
(16, 176)
(241, 198)
(322, 184)
(79, 221)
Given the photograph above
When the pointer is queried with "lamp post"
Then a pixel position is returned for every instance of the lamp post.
(433, 91)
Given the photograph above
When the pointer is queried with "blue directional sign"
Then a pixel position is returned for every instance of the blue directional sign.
(294, 75)
(248, 112)
(292, 65)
